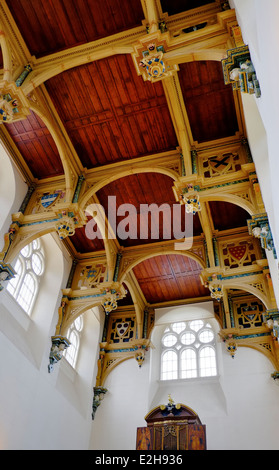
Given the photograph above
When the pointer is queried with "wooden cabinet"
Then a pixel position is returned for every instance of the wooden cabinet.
(174, 427)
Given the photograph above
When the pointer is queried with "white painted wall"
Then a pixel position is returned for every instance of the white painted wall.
(123, 408)
(39, 410)
(259, 25)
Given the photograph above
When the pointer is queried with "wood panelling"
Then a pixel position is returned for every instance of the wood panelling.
(226, 216)
(209, 102)
(169, 277)
(37, 146)
(110, 114)
(145, 189)
(127, 300)
(49, 26)
(83, 244)
(173, 7)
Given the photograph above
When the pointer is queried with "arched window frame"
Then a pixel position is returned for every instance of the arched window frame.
(196, 345)
(75, 330)
(177, 364)
(17, 285)
(209, 346)
(186, 349)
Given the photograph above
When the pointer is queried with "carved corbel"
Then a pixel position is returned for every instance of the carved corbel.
(271, 319)
(239, 71)
(259, 227)
(59, 344)
(99, 394)
(6, 273)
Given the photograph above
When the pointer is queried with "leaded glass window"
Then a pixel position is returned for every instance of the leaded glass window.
(188, 350)
(29, 268)
(73, 335)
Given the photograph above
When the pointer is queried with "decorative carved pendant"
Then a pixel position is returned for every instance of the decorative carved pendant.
(13, 103)
(149, 57)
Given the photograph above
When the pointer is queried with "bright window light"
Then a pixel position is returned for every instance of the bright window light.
(29, 268)
(208, 362)
(188, 351)
(74, 335)
(169, 365)
(188, 363)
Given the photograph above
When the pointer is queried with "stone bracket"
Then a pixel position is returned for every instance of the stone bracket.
(239, 71)
(6, 273)
(59, 344)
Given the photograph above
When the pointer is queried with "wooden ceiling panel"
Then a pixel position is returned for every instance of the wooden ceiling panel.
(83, 244)
(169, 278)
(172, 7)
(127, 300)
(37, 146)
(110, 114)
(49, 26)
(227, 216)
(209, 102)
(145, 189)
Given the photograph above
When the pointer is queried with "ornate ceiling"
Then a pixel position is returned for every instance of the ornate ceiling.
(93, 114)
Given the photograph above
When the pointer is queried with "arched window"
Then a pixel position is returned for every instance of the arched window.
(188, 363)
(29, 269)
(208, 362)
(188, 351)
(73, 336)
(169, 365)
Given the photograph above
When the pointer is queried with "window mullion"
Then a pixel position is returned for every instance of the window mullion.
(21, 277)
